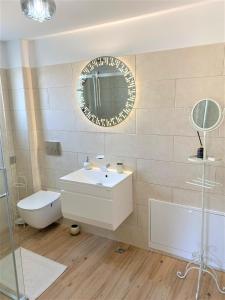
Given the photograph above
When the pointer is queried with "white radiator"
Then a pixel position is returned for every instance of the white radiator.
(175, 229)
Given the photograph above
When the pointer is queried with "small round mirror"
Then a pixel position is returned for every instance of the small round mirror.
(206, 115)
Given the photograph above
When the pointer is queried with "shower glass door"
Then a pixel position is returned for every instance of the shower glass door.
(11, 273)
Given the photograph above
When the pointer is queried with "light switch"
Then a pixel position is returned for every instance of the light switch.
(53, 148)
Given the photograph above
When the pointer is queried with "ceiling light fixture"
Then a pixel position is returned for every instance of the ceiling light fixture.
(38, 10)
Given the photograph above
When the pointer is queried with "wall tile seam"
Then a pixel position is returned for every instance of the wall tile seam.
(151, 134)
(134, 111)
(152, 80)
(179, 163)
(135, 69)
(69, 131)
(224, 60)
(136, 79)
(104, 143)
(185, 163)
(54, 86)
(207, 76)
(189, 188)
(138, 158)
(44, 171)
(24, 89)
(61, 156)
(197, 191)
(220, 74)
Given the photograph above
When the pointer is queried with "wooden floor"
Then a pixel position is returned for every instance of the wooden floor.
(96, 271)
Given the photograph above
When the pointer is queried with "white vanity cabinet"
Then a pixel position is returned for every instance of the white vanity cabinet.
(98, 198)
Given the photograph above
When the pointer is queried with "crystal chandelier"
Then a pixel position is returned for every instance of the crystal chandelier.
(38, 10)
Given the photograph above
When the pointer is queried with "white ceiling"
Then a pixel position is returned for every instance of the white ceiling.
(75, 14)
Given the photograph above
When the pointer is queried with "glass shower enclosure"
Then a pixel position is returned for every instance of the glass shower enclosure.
(11, 272)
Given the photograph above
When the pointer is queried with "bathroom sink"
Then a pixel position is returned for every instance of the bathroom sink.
(97, 177)
(94, 197)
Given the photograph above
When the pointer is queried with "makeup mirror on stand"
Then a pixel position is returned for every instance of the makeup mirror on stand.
(206, 116)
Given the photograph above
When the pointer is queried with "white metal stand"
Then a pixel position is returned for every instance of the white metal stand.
(199, 263)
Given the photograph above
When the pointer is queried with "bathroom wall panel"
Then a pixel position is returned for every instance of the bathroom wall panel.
(154, 141)
(66, 138)
(23, 122)
(66, 161)
(170, 174)
(181, 63)
(48, 178)
(17, 78)
(155, 94)
(144, 190)
(186, 197)
(53, 76)
(88, 142)
(18, 99)
(190, 90)
(61, 98)
(164, 121)
(6, 136)
(41, 99)
(141, 146)
(56, 120)
(4, 78)
(220, 178)
(216, 201)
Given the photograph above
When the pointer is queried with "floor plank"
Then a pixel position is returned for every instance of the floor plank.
(95, 271)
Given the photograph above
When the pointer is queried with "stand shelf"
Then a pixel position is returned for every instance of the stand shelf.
(208, 160)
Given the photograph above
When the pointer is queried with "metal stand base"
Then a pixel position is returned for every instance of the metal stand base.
(196, 264)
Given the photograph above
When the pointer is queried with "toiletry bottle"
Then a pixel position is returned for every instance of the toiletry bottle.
(87, 164)
(119, 167)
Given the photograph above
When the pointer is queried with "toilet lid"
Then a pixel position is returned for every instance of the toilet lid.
(38, 200)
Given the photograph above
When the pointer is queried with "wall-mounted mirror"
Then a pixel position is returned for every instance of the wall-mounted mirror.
(107, 91)
(206, 115)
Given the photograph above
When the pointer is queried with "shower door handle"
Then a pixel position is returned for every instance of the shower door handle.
(5, 183)
(3, 195)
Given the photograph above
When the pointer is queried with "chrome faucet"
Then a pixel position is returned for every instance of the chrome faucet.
(103, 168)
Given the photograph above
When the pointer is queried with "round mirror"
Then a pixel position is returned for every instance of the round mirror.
(107, 91)
(206, 115)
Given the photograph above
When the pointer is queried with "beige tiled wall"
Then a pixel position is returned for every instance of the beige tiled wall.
(6, 139)
(22, 124)
(154, 141)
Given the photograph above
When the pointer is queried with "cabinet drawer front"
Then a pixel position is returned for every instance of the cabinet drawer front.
(86, 206)
(88, 189)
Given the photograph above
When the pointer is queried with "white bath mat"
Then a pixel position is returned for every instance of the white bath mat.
(39, 272)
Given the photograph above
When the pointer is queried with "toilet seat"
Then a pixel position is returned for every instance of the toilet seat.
(38, 200)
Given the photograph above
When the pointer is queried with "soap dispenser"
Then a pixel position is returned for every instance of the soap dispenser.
(87, 164)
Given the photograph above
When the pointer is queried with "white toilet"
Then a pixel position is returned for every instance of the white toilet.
(40, 209)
